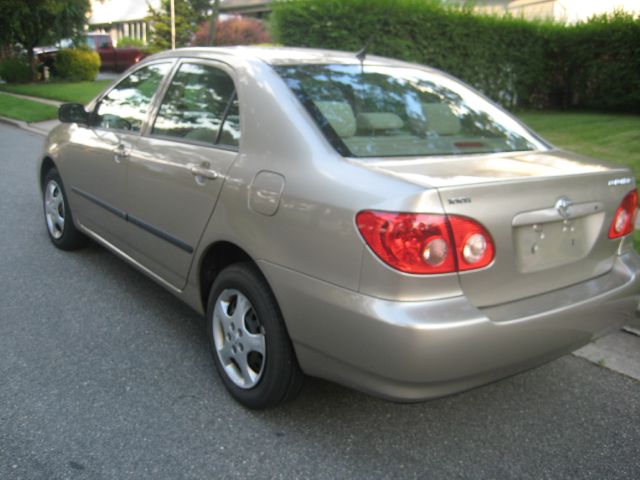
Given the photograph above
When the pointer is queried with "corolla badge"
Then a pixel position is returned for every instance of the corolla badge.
(616, 182)
(563, 207)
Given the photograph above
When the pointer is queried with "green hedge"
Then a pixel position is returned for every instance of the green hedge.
(603, 63)
(15, 70)
(516, 62)
(77, 64)
(129, 42)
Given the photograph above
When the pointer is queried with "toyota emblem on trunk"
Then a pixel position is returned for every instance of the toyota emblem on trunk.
(563, 207)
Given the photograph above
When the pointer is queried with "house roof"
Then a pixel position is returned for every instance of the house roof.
(113, 11)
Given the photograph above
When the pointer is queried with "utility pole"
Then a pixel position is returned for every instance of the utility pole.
(173, 25)
(211, 37)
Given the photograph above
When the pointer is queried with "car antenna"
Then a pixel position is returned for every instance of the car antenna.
(362, 53)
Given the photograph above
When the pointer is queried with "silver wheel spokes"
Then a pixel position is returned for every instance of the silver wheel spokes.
(54, 209)
(239, 339)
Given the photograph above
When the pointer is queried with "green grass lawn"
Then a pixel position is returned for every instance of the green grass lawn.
(76, 92)
(26, 110)
(615, 138)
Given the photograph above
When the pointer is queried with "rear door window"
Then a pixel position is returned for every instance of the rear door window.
(200, 106)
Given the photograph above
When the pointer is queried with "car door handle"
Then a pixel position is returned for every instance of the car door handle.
(123, 150)
(203, 171)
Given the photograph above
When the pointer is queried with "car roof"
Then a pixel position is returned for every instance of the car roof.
(283, 55)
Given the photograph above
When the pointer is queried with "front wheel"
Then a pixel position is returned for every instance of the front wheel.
(250, 345)
(57, 214)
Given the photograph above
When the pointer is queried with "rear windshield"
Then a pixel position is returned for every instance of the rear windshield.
(376, 111)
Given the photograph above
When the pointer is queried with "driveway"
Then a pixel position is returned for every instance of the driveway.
(106, 376)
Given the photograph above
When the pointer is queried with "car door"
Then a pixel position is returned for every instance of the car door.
(178, 168)
(97, 154)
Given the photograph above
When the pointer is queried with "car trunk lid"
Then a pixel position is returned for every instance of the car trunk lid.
(548, 213)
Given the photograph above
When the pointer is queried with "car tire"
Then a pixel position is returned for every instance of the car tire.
(249, 341)
(57, 214)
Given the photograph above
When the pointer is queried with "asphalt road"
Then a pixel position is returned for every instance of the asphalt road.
(104, 375)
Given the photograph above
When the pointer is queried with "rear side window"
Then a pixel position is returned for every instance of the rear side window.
(200, 105)
(125, 107)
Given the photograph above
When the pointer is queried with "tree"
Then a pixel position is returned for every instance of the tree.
(186, 18)
(40, 22)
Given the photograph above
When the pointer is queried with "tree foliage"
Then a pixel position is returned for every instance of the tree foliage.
(186, 18)
(234, 31)
(40, 22)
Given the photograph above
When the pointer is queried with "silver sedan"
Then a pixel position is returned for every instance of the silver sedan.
(372, 222)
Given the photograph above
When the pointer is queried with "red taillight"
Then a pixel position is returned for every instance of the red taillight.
(624, 220)
(424, 243)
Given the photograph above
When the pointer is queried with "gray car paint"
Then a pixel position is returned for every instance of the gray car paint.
(351, 318)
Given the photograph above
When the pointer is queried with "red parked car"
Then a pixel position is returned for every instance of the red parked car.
(112, 58)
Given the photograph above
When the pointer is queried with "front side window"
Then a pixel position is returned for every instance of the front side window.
(201, 106)
(378, 111)
(125, 107)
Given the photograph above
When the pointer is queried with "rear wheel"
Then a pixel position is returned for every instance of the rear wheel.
(250, 345)
(57, 214)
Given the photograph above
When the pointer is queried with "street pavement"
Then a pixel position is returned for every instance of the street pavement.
(104, 375)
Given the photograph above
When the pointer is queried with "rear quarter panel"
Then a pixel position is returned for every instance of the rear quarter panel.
(313, 231)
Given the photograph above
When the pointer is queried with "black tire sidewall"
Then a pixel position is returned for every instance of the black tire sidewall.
(281, 371)
(71, 238)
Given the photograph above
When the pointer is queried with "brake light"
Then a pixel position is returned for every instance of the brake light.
(422, 243)
(624, 220)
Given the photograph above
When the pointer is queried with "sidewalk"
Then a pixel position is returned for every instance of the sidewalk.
(619, 351)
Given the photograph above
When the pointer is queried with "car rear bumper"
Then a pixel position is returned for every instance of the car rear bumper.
(412, 351)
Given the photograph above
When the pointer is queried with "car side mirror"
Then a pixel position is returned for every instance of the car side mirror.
(73, 113)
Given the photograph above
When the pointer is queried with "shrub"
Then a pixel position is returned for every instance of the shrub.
(234, 31)
(77, 64)
(519, 63)
(603, 63)
(128, 42)
(504, 58)
(15, 70)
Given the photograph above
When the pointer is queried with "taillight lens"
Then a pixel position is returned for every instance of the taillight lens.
(474, 245)
(624, 220)
(425, 244)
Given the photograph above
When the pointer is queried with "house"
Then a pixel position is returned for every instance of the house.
(128, 18)
(248, 8)
(122, 18)
(561, 10)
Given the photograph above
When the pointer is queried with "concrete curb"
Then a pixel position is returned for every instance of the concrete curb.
(24, 126)
(619, 352)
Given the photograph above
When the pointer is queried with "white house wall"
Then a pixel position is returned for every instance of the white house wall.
(122, 18)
